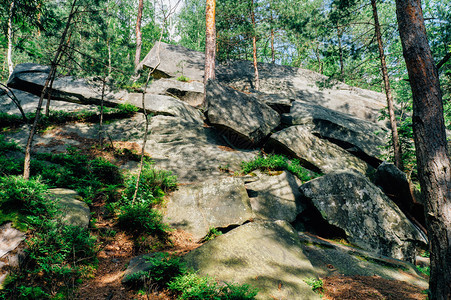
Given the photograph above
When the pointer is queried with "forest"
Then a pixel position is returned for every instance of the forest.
(352, 42)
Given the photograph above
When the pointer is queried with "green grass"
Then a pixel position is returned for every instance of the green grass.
(275, 162)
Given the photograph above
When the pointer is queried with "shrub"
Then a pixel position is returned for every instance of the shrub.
(141, 218)
(163, 268)
(191, 286)
(276, 162)
(153, 184)
(314, 283)
(212, 234)
(183, 78)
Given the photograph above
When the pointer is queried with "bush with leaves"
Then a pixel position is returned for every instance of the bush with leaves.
(275, 162)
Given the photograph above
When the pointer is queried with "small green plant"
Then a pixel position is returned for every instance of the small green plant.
(127, 108)
(224, 168)
(315, 283)
(426, 270)
(162, 268)
(276, 162)
(212, 234)
(191, 286)
(183, 78)
(140, 218)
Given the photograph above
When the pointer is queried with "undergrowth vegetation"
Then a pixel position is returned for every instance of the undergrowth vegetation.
(275, 162)
(171, 273)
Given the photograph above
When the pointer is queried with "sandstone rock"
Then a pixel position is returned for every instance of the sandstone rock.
(395, 185)
(315, 153)
(189, 92)
(370, 219)
(10, 239)
(239, 113)
(216, 203)
(75, 211)
(266, 255)
(31, 78)
(355, 135)
(330, 258)
(166, 105)
(275, 197)
(174, 61)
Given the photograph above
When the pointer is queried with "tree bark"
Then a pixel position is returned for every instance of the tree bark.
(138, 35)
(254, 49)
(388, 94)
(26, 173)
(10, 39)
(340, 54)
(210, 42)
(434, 167)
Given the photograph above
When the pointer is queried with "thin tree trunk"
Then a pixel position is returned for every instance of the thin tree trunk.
(10, 38)
(391, 110)
(138, 35)
(273, 53)
(254, 49)
(434, 167)
(210, 42)
(52, 73)
(340, 53)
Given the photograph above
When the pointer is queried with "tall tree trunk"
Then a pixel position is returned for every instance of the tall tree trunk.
(210, 42)
(10, 38)
(391, 110)
(273, 53)
(56, 59)
(254, 49)
(138, 35)
(434, 167)
(340, 54)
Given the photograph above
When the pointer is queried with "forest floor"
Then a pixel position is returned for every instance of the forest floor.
(117, 251)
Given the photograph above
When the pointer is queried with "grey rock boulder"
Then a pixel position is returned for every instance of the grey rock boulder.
(174, 61)
(331, 258)
(275, 197)
(370, 219)
(216, 203)
(355, 135)
(31, 78)
(191, 92)
(166, 105)
(239, 114)
(266, 255)
(75, 212)
(315, 153)
(10, 240)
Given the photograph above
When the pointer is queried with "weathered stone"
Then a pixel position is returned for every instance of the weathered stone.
(174, 61)
(75, 212)
(166, 105)
(266, 255)
(216, 203)
(331, 258)
(395, 185)
(190, 92)
(239, 113)
(313, 152)
(64, 88)
(275, 197)
(355, 135)
(10, 239)
(370, 219)
(29, 103)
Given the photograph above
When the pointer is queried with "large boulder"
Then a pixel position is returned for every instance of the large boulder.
(166, 105)
(315, 153)
(266, 255)
(275, 197)
(395, 185)
(74, 211)
(331, 258)
(10, 240)
(31, 78)
(369, 218)
(174, 61)
(191, 92)
(240, 114)
(358, 136)
(216, 203)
